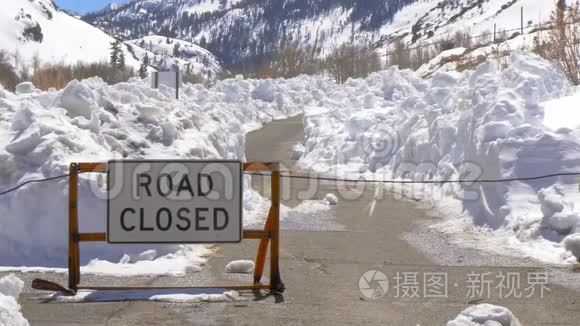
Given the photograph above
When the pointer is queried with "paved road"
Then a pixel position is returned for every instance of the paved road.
(321, 270)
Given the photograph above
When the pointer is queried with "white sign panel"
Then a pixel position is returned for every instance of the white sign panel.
(174, 202)
(171, 79)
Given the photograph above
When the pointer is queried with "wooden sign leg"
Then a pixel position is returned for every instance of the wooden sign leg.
(73, 229)
(275, 280)
(262, 250)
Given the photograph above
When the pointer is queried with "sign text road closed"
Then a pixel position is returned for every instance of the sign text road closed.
(174, 202)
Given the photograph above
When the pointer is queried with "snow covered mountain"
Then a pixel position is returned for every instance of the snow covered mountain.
(237, 30)
(37, 28)
(32, 30)
(164, 53)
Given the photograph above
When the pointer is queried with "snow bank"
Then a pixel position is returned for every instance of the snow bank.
(485, 314)
(90, 121)
(485, 124)
(10, 289)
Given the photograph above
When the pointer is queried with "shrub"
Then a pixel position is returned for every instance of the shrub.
(8, 77)
(562, 44)
(59, 75)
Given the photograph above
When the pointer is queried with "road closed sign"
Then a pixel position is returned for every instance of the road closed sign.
(174, 202)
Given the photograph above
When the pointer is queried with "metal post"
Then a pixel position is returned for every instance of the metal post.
(177, 84)
(275, 280)
(73, 229)
(522, 19)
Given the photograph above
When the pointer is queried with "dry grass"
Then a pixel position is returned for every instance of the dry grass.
(59, 75)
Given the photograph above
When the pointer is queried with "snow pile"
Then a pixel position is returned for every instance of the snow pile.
(563, 113)
(572, 244)
(182, 296)
(330, 199)
(10, 289)
(240, 266)
(90, 121)
(484, 124)
(485, 314)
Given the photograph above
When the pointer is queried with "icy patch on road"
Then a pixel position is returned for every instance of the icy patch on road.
(485, 315)
(10, 289)
(175, 296)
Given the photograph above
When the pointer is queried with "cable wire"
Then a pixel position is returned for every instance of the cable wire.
(305, 177)
(33, 181)
(290, 176)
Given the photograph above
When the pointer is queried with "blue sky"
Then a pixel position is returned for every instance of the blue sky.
(84, 6)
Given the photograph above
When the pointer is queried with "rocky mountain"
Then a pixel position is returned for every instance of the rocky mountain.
(239, 31)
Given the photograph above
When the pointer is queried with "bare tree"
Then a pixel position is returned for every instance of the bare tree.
(400, 56)
(562, 44)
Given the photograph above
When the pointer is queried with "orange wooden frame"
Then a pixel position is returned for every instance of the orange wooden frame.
(269, 235)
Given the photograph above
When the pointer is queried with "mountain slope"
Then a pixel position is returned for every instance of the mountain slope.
(37, 32)
(36, 28)
(244, 30)
(166, 53)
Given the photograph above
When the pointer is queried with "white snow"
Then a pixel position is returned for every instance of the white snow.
(572, 244)
(330, 199)
(65, 38)
(90, 121)
(487, 124)
(240, 266)
(10, 289)
(174, 296)
(485, 315)
(563, 112)
(190, 57)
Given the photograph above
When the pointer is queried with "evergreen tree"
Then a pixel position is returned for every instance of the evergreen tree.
(115, 50)
(176, 51)
(143, 68)
(121, 61)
